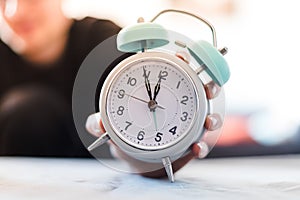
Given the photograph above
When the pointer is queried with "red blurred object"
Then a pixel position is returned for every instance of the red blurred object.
(235, 131)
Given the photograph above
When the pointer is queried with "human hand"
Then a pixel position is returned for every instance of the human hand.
(95, 126)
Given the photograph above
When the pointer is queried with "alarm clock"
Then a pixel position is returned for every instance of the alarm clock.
(154, 103)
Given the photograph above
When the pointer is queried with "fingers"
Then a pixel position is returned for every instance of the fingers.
(102, 129)
(94, 125)
(196, 150)
(213, 122)
(200, 149)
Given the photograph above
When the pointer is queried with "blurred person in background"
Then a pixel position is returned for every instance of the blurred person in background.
(41, 51)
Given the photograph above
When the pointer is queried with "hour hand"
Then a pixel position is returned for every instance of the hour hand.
(147, 84)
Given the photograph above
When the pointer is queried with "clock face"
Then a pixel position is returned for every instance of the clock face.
(151, 103)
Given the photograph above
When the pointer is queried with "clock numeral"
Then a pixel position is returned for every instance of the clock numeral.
(184, 116)
(131, 81)
(163, 75)
(121, 94)
(178, 84)
(128, 124)
(146, 74)
(158, 137)
(173, 130)
(120, 110)
(184, 100)
(140, 135)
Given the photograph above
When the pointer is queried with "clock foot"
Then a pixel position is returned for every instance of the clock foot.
(101, 140)
(168, 167)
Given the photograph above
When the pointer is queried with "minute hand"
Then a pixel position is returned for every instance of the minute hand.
(156, 89)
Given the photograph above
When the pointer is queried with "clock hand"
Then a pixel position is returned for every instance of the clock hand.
(147, 84)
(142, 100)
(154, 118)
(156, 89)
(137, 98)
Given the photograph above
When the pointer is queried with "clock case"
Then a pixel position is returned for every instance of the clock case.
(203, 63)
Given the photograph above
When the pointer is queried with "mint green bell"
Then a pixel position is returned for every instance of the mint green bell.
(145, 35)
(216, 65)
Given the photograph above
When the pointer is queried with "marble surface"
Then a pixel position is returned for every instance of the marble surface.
(273, 177)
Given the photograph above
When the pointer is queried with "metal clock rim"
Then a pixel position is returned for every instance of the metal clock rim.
(130, 61)
(116, 138)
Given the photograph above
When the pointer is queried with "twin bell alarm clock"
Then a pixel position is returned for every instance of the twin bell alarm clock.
(154, 104)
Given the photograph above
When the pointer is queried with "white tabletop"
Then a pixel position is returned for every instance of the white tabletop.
(276, 177)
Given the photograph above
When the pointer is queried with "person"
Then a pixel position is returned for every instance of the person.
(41, 51)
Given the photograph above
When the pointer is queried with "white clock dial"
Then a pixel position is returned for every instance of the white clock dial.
(130, 114)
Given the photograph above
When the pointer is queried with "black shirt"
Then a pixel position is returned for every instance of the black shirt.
(16, 72)
(84, 36)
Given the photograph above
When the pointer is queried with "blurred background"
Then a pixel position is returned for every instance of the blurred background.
(263, 40)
